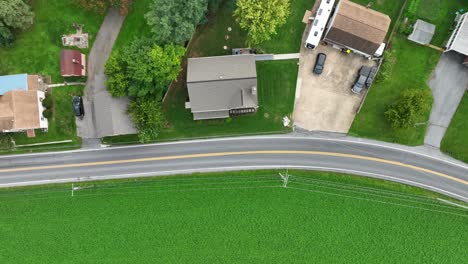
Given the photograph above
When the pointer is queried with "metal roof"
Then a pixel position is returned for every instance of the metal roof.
(13, 82)
(221, 68)
(459, 39)
(219, 84)
(422, 32)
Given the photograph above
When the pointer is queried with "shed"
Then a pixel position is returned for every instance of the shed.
(72, 63)
(422, 32)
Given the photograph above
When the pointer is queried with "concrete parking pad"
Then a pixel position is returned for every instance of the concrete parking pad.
(325, 102)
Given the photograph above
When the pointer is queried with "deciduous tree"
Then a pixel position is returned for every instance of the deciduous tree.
(261, 18)
(143, 69)
(408, 107)
(14, 15)
(174, 21)
(147, 116)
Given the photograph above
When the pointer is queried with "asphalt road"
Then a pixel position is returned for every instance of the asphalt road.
(289, 151)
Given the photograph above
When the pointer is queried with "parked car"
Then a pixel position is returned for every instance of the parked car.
(359, 84)
(371, 76)
(78, 106)
(320, 63)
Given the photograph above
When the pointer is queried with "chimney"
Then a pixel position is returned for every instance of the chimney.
(74, 61)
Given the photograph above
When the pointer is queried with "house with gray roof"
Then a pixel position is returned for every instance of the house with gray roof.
(222, 86)
(459, 39)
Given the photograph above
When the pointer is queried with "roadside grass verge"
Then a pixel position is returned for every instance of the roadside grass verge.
(455, 141)
(61, 127)
(413, 67)
(37, 50)
(234, 216)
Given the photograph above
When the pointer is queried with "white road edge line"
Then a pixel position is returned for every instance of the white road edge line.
(452, 203)
(234, 168)
(358, 141)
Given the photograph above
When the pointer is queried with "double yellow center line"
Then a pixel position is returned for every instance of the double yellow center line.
(236, 153)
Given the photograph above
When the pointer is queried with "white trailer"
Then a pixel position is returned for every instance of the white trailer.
(319, 24)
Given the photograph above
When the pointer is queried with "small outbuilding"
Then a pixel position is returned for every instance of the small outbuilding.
(357, 28)
(222, 86)
(72, 63)
(422, 32)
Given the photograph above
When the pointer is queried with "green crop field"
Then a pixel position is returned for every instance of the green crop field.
(236, 217)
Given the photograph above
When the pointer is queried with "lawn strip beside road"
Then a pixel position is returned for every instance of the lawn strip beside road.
(455, 142)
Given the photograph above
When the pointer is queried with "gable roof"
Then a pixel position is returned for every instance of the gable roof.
(422, 32)
(358, 27)
(221, 68)
(72, 63)
(459, 39)
(218, 84)
(13, 82)
(19, 110)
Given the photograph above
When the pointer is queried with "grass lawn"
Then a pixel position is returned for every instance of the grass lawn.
(412, 69)
(236, 217)
(440, 13)
(455, 142)
(37, 50)
(289, 36)
(61, 127)
(135, 25)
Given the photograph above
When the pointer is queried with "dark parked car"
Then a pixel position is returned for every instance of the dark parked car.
(320, 63)
(371, 76)
(78, 106)
(359, 84)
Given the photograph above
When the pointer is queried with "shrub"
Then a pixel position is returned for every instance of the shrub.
(48, 101)
(408, 108)
(6, 142)
(147, 116)
(47, 113)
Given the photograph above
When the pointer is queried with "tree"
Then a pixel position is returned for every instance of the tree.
(261, 18)
(409, 106)
(174, 21)
(143, 69)
(14, 15)
(101, 6)
(147, 116)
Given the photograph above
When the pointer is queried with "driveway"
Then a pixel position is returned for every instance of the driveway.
(448, 84)
(104, 115)
(325, 102)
